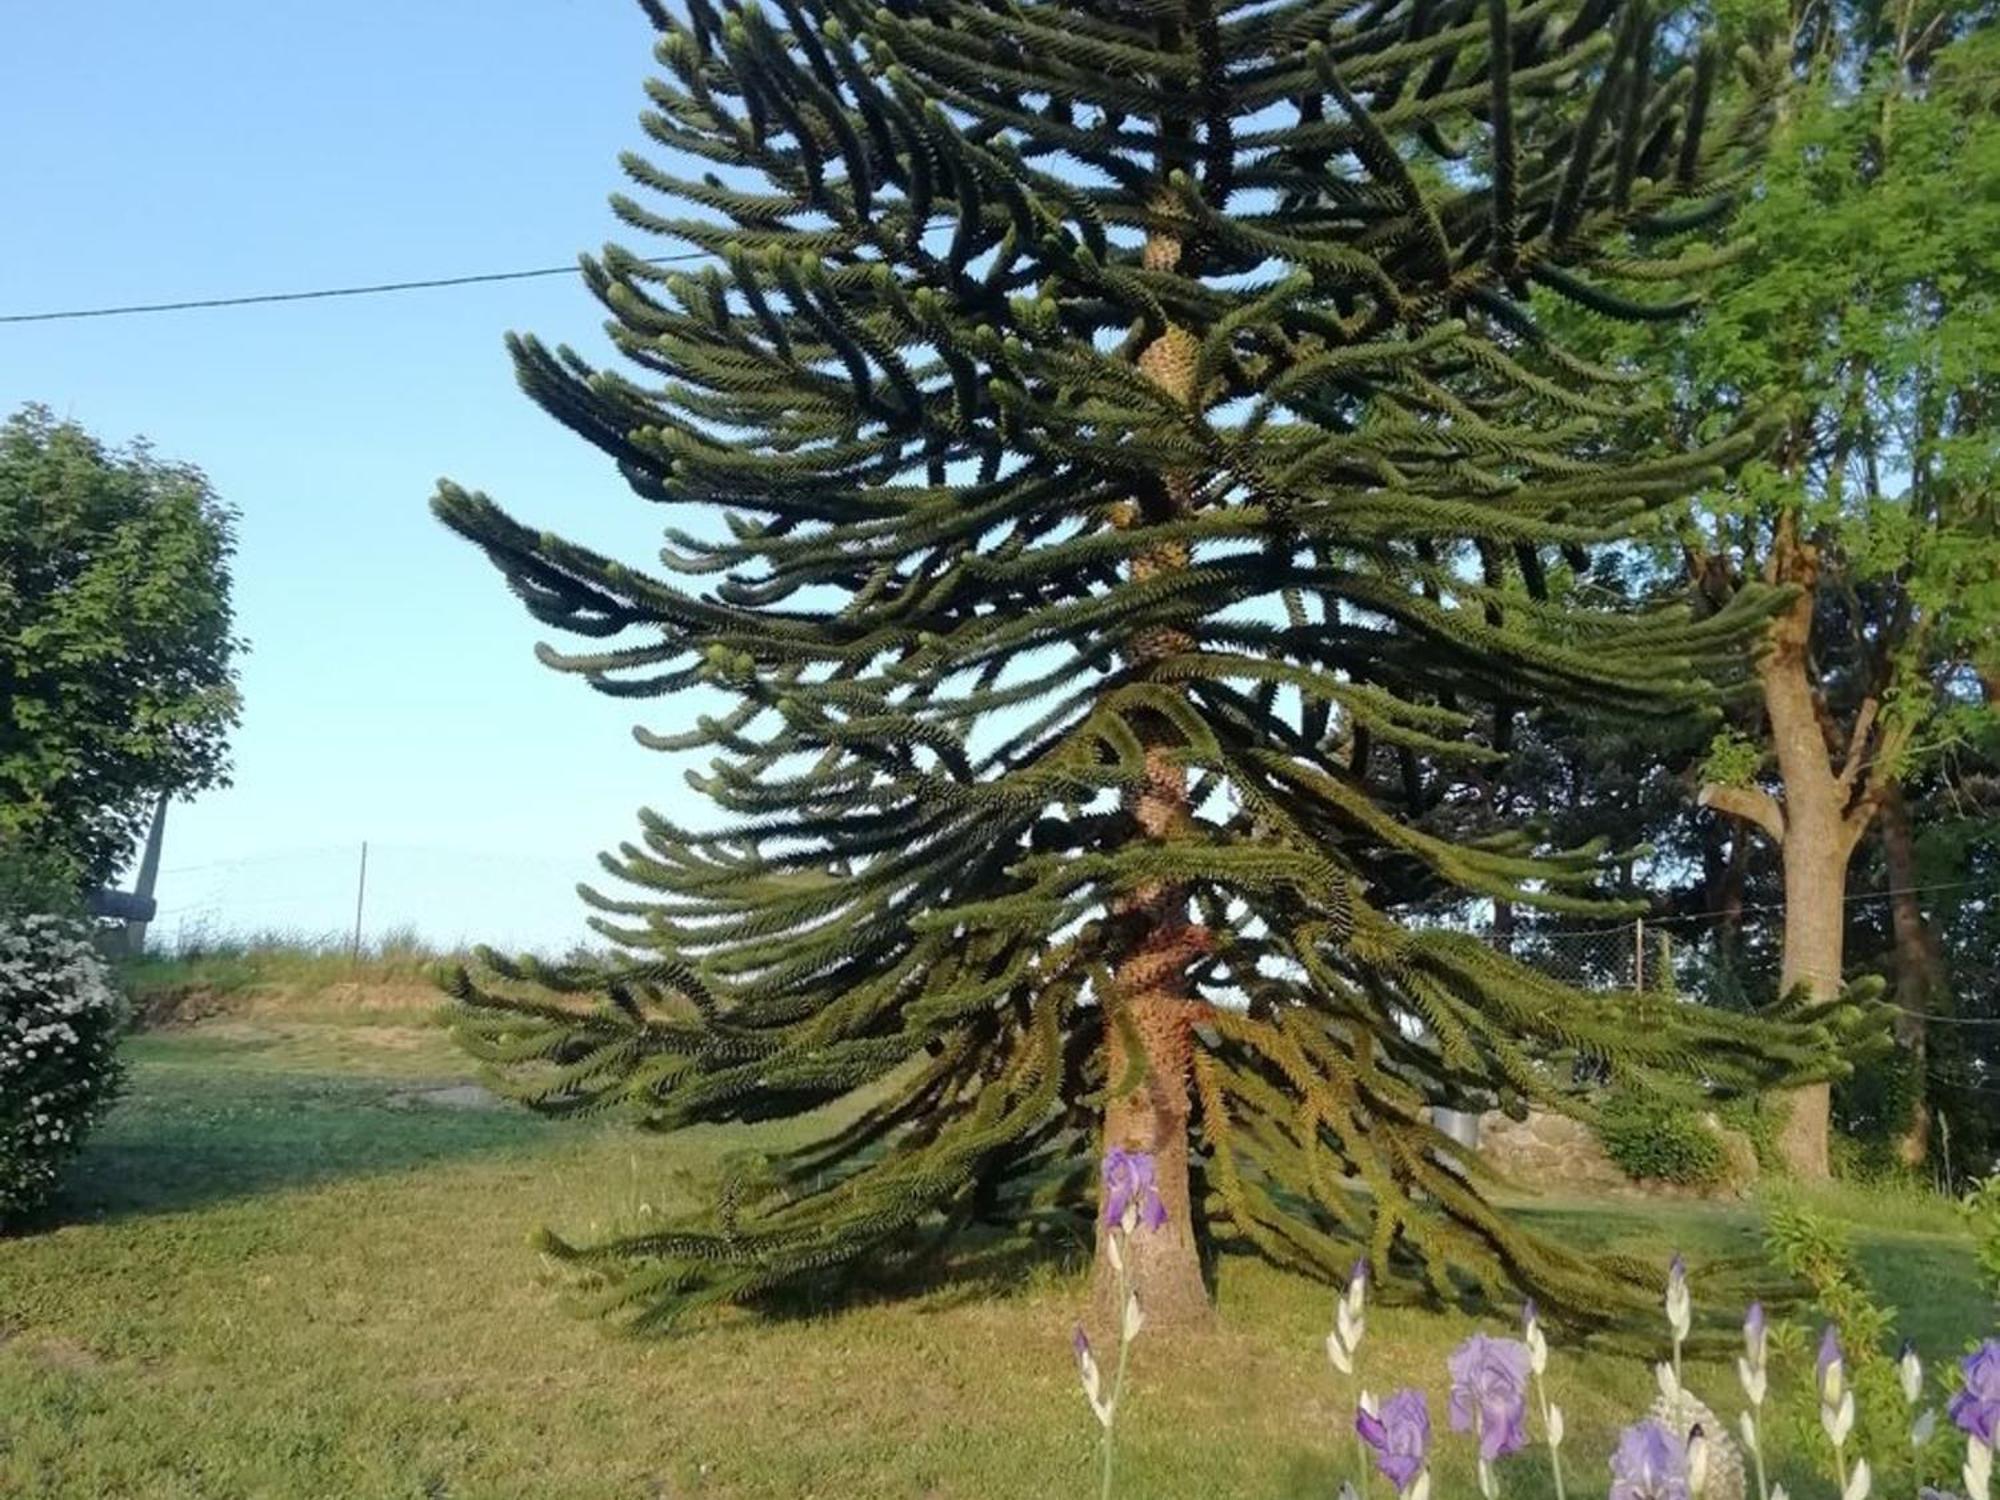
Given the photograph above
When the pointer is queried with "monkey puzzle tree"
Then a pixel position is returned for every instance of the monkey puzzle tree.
(1137, 449)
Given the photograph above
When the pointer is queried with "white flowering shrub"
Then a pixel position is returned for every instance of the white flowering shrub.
(59, 1025)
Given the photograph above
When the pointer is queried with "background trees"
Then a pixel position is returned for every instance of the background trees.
(1850, 816)
(116, 685)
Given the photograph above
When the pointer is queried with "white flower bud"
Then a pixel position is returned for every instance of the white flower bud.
(1858, 1482)
(1910, 1371)
(1489, 1483)
(1555, 1425)
(1355, 1298)
(1670, 1383)
(1923, 1427)
(1747, 1425)
(1114, 1252)
(1134, 1318)
(1680, 1309)
(1697, 1462)
(1755, 1381)
(1978, 1470)
(1337, 1352)
(1838, 1420)
(1538, 1348)
(1778, 1493)
(1420, 1487)
(1348, 1322)
(1087, 1372)
(1366, 1401)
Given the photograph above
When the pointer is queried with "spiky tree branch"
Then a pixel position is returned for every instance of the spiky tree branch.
(1108, 408)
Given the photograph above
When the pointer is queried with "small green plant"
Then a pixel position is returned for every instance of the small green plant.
(1732, 760)
(1981, 1206)
(59, 1026)
(1660, 1140)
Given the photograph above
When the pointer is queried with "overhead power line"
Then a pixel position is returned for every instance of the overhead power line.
(318, 294)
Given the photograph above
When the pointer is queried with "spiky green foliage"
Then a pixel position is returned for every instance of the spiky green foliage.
(1110, 400)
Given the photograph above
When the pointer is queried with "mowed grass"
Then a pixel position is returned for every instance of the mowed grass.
(289, 1266)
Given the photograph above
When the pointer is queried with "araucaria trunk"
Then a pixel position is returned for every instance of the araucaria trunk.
(1153, 1004)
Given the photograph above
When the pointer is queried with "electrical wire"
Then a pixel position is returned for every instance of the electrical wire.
(373, 289)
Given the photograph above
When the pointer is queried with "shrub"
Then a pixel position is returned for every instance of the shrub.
(1653, 1138)
(1747, 1115)
(59, 1025)
(1982, 1216)
(37, 880)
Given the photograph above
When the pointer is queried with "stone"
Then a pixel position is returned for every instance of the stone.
(1552, 1153)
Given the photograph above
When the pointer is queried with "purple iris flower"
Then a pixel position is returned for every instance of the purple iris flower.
(1976, 1409)
(1489, 1393)
(1400, 1434)
(1650, 1464)
(1129, 1183)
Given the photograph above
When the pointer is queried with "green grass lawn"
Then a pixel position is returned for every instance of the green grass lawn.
(286, 1267)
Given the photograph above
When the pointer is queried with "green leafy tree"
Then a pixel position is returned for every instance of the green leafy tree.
(1120, 442)
(116, 678)
(1870, 308)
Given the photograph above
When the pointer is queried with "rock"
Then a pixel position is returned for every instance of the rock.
(1548, 1152)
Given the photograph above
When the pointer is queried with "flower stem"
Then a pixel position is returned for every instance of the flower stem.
(1757, 1459)
(1118, 1376)
(1555, 1454)
(1360, 1443)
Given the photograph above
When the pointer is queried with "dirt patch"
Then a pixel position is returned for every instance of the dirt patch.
(65, 1356)
(457, 1096)
(266, 1033)
(176, 1007)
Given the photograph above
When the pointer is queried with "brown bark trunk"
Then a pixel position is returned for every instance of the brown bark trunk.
(1919, 965)
(1815, 915)
(1162, 1266)
(1153, 1002)
(1815, 849)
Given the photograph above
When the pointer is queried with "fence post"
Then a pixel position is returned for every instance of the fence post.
(360, 891)
(1639, 955)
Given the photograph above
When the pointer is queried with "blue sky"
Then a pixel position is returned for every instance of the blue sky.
(237, 146)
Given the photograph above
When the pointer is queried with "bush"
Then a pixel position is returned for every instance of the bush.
(59, 1025)
(37, 880)
(1652, 1138)
(1982, 1215)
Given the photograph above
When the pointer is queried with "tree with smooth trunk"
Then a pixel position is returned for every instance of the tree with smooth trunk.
(1112, 449)
(1871, 303)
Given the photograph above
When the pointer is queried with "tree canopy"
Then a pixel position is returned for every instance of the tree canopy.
(117, 684)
